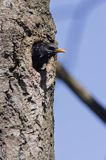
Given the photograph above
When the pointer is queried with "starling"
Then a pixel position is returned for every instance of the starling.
(41, 53)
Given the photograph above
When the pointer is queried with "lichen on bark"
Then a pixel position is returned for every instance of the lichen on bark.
(26, 96)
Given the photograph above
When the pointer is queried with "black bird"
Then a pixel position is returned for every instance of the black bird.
(41, 53)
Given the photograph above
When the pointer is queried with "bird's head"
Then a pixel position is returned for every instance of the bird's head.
(50, 48)
(46, 50)
(42, 52)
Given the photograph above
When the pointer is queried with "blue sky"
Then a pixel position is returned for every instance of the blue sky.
(81, 30)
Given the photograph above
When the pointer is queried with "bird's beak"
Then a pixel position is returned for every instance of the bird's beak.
(58, 50)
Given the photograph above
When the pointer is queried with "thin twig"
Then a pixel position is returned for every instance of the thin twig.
(90, 101)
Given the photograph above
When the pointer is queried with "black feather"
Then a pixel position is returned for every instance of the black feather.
(41, 53)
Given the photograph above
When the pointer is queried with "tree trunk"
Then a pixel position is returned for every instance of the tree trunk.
(26, 96)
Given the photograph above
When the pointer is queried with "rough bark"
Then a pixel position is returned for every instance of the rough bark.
(26, 96)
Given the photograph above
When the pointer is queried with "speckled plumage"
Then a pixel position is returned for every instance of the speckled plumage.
(41, 53)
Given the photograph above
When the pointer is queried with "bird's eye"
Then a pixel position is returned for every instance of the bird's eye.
(51, 48)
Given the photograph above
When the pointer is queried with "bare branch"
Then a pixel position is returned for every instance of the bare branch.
(90, 101)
